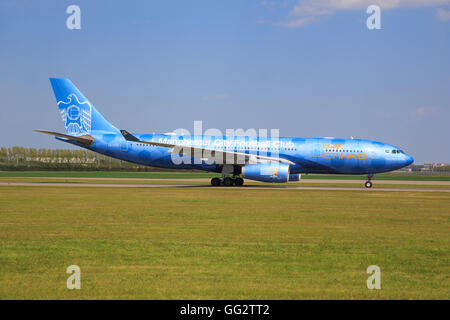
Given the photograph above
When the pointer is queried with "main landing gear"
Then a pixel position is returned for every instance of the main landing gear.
(227, 181)
(368, 183)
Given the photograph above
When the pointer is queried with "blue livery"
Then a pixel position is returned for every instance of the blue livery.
(257, 158)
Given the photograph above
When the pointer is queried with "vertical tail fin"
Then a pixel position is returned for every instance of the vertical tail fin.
(79, 116)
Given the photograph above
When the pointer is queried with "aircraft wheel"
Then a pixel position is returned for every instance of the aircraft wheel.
(239, 182)
(228, 182)
(215, 182)
(368, 184)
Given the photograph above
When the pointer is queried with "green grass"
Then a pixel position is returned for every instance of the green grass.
(191, 243)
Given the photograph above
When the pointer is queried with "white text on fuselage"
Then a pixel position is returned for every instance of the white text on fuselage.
(230, 144)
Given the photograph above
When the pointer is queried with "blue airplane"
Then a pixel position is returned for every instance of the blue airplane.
(265, 159)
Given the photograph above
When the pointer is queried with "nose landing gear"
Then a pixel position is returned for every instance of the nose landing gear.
(368, 183)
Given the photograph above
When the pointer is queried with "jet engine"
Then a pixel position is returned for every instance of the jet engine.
(267, 172)
(295, 177)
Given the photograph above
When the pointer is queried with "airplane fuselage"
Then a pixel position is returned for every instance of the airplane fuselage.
(308, 155)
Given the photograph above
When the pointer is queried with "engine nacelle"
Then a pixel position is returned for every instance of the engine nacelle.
(267, 172)
(295, 177)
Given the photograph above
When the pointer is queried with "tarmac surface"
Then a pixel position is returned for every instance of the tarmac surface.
(245, 187)
(353, 181)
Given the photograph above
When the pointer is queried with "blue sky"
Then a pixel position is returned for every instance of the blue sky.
(308, 68)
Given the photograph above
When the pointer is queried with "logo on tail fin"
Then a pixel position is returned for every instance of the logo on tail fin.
(76, 115)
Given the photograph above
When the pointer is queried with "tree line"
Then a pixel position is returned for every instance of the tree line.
(20, 158)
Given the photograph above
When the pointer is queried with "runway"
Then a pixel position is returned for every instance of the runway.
(340, 181)
(245, 187)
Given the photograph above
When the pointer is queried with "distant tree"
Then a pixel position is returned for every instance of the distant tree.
(4, 154)
(20, 158)
(445, 168)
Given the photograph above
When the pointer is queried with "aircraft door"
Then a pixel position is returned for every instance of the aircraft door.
(317, 151)
(125, 146)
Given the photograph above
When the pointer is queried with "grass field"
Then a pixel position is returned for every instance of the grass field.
(206, 243)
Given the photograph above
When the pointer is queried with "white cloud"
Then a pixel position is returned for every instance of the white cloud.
(273, 4)
(321, 7)
(424, 111)
(308, 11)
(295, 23)
(443, 15)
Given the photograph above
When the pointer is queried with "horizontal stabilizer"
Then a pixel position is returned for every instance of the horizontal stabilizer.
(85, 140)
(128, 136)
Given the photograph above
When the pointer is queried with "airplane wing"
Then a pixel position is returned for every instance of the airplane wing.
(210, 155)
(85, 140)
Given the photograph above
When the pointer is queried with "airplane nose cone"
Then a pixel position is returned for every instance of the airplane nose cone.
(408, 160)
